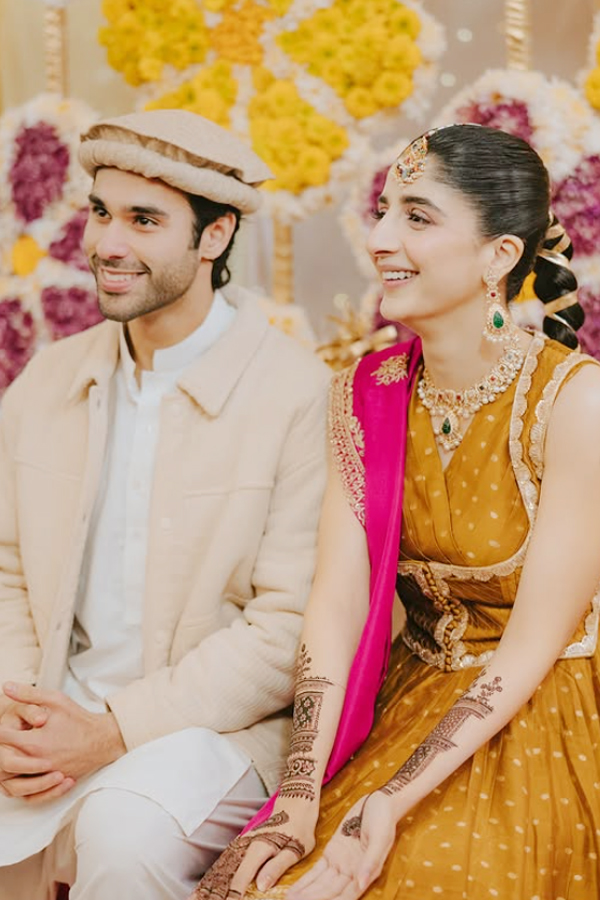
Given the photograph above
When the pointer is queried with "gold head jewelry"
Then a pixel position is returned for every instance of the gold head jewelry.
(410, 165)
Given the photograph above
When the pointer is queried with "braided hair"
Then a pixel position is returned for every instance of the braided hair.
(556, 286)
(508, 185)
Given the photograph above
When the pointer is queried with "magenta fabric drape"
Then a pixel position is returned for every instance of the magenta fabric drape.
(382, 410)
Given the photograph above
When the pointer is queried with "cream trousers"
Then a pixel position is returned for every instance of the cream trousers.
(123, 846)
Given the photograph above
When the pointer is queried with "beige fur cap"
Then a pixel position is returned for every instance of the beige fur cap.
(182, 149)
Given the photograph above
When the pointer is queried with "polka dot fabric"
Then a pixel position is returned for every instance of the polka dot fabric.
(521, 818)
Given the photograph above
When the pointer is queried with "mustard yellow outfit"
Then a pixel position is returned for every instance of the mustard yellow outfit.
(519, 820)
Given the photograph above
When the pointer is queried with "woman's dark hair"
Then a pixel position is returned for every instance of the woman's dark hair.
(508, 186)
(205, 212)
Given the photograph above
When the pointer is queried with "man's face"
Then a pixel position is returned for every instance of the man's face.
(138, 241)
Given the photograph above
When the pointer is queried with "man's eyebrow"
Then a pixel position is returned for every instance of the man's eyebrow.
(138, 210)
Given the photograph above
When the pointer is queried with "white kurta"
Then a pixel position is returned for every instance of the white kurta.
(189, 772)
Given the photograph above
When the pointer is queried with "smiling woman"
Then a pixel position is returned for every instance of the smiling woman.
(465, 477)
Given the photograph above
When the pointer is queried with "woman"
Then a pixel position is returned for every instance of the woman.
(479, 775)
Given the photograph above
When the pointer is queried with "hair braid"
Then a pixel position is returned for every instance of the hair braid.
(556, 286)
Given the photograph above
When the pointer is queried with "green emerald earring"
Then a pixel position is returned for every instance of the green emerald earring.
(497, 321)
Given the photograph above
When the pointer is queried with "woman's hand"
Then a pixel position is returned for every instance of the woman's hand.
(262, 854)
(355, 855)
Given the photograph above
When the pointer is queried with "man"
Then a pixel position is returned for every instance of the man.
(160, 481)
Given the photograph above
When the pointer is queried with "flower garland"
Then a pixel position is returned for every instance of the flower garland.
(46, 288)
(239, 63)
(591, 83)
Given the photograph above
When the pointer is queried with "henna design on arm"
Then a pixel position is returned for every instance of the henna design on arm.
(279, 818)
(298, 780)
(351, 827)
(440, 739)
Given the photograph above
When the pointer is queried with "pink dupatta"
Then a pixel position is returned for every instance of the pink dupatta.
(368, 428)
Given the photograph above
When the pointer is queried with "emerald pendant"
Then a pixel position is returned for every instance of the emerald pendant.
(446, 426)
(498, 320)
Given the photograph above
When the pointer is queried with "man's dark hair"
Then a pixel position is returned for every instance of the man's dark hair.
(205, 212)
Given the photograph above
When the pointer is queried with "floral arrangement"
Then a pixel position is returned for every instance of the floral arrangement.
(46, 289)
(554, 117)
(304, 81)
(591, 83)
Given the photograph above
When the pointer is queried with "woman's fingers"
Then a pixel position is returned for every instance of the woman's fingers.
(308, 877)
(257, 854)
(272, 871)
(329, 885)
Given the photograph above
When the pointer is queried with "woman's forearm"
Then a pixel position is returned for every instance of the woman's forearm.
(329, 641)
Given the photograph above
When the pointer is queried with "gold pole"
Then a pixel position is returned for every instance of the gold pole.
(518, 34)
(55, 50)
(283, 262)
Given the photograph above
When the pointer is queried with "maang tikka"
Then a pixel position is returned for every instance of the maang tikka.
(410, 165)
(498, 324)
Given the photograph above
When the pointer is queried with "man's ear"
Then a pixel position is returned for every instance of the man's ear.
(216, 236)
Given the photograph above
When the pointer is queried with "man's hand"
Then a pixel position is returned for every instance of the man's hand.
(45, 760)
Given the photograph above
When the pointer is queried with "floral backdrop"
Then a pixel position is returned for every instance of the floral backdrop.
(556, 119)
(305, 81)
(46, 288)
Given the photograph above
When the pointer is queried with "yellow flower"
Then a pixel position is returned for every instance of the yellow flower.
(360, 103)
(392, 88)
(143, 35)
(211, 93)
(350, 43)
(280, 7)
(262, 78)
(26, 254)
(402, 54)
(150, 69)
(406, 20)
(314, 165)
(216, 5)
(237, 36)
(592, 88)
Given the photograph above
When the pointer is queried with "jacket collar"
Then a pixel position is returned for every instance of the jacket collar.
(100, 362)
(211, 379)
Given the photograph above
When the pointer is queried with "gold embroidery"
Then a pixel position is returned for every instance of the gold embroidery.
(347, 440)
(391, 370)
(433, 578)
(544, 408)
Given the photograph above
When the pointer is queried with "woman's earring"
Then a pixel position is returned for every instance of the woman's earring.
(497, 321)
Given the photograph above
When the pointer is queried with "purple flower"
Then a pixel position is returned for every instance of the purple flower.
(39, 170)
(69, 310)
(67, 246)
(589, 333)
(507, 115)
(576, 203)
(17, 340)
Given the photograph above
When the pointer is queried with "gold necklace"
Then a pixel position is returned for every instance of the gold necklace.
(451, 406)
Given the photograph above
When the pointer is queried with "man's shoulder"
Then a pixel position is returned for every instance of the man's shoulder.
(54, 368)
(287, 361)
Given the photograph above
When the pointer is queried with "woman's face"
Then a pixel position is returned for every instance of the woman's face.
(428, 250)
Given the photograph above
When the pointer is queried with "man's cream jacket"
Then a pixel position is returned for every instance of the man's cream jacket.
(240, 470)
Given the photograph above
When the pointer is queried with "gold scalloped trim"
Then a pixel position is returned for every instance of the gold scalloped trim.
(544, 408)
(440, 572)
(347, 439)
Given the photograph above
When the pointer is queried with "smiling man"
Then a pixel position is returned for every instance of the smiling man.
(160, 483)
